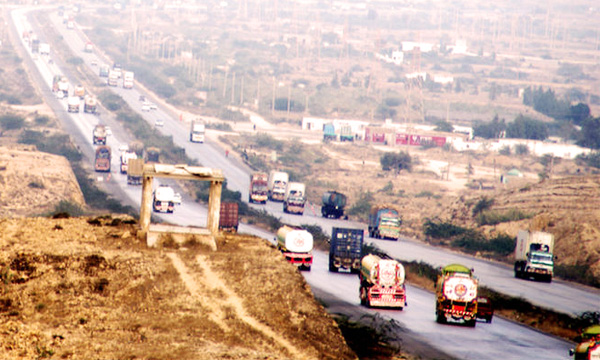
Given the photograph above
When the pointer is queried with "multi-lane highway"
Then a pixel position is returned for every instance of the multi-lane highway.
(487, 341)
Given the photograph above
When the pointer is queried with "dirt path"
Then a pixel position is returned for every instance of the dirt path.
(212, 283)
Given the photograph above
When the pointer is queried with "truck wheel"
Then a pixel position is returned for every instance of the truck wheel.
(363, 296)
(440, 318)
(488, 319)
(332, 268)
(471, 323)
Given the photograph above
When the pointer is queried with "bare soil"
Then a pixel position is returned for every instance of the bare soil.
(87, 288)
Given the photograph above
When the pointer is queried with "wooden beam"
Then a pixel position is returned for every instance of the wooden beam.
(214, 207)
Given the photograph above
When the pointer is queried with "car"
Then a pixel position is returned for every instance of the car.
(145, 107)
(485, 309)
(159, 123)
(152, 106)
(108, 131)
(94, 63)
(177, 198)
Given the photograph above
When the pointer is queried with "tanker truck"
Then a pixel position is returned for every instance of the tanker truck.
(533, 255)
(382, 282)
(456, 295)
(333, 204)
(589, 347)
(384, 222)
(90, 104)
(296, 245)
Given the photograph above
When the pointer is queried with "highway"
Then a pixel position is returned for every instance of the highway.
(487, 341)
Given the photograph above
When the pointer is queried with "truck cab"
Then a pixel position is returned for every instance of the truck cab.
(163, 199)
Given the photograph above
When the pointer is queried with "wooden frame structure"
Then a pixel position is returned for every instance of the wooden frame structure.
(182, 172)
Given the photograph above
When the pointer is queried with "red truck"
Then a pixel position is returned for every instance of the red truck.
(102, 162)
(228, 217)
(258, 188)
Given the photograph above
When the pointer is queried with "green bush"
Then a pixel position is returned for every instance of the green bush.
(494, 217)
(482, 204)
(76, 60)
(11, 122)
(441, 229)
(473, 241)
(362, 206)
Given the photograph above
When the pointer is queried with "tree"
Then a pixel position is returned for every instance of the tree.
(527, 128)
(444, 126)
(490, 130)
(579, 113)
(590, 133)
(396, 161)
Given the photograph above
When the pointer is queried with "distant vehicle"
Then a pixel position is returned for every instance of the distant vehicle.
(103, 71)
(102, 162)
(163, 199)
(108, 131)
(79, 91)
(485, 309)
(128, 79)
(278, 181)
(145, 107)
(123, 147)
(258, 188)
(90, 104)
(177, 199)
(333, 204)
(142, 98)
(94, 63)
(113, 78)
(384, 222)
(345, 251)
(381, 282)
(73, 104)
(99, 135)
(456, 295)
(89, 47)
(159, 123)
(152, 155)
(296, 245)
(228, 217)
(197, 131)
(533, 255)
(135, 169)
(295, 198)
(152, 106)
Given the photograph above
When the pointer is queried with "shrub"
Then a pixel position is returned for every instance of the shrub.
(362, 206)
(11, 122)
(442, 230)
(494, 218)
(482, 204)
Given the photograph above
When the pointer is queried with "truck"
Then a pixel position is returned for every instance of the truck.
(44, 49)
(277, 183)
(228, 217)
(135, 169)
(258, 188)
(89, 47)
(384, 222)
(162, 199)
(113, 78)
(295, 198)
(73, 104)
(456, 295)
(334, 204)
(345, 250)
(197, 131)
(99, 135)
(90, 104)
(346, 133)
(329, 132)
(128, 79)
(63, 86)
(126, 157)
(296, 245)
(35, 45)
(137, 147)
(589, 345)
(104, 71)
(55, 80)
(381, 282)
(79, 91)
(152, 155)
(533, 255)
(102, 160)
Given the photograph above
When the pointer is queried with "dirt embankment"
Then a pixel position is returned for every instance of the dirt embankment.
(86, 288)
(32, 182)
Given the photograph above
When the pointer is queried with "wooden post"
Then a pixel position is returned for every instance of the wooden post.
(146, 206)
(214, 207)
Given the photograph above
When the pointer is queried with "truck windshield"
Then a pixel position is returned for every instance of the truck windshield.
(390, 221)
(545, 258)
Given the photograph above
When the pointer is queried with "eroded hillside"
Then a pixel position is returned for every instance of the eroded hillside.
(567, 207)
(86, 289)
